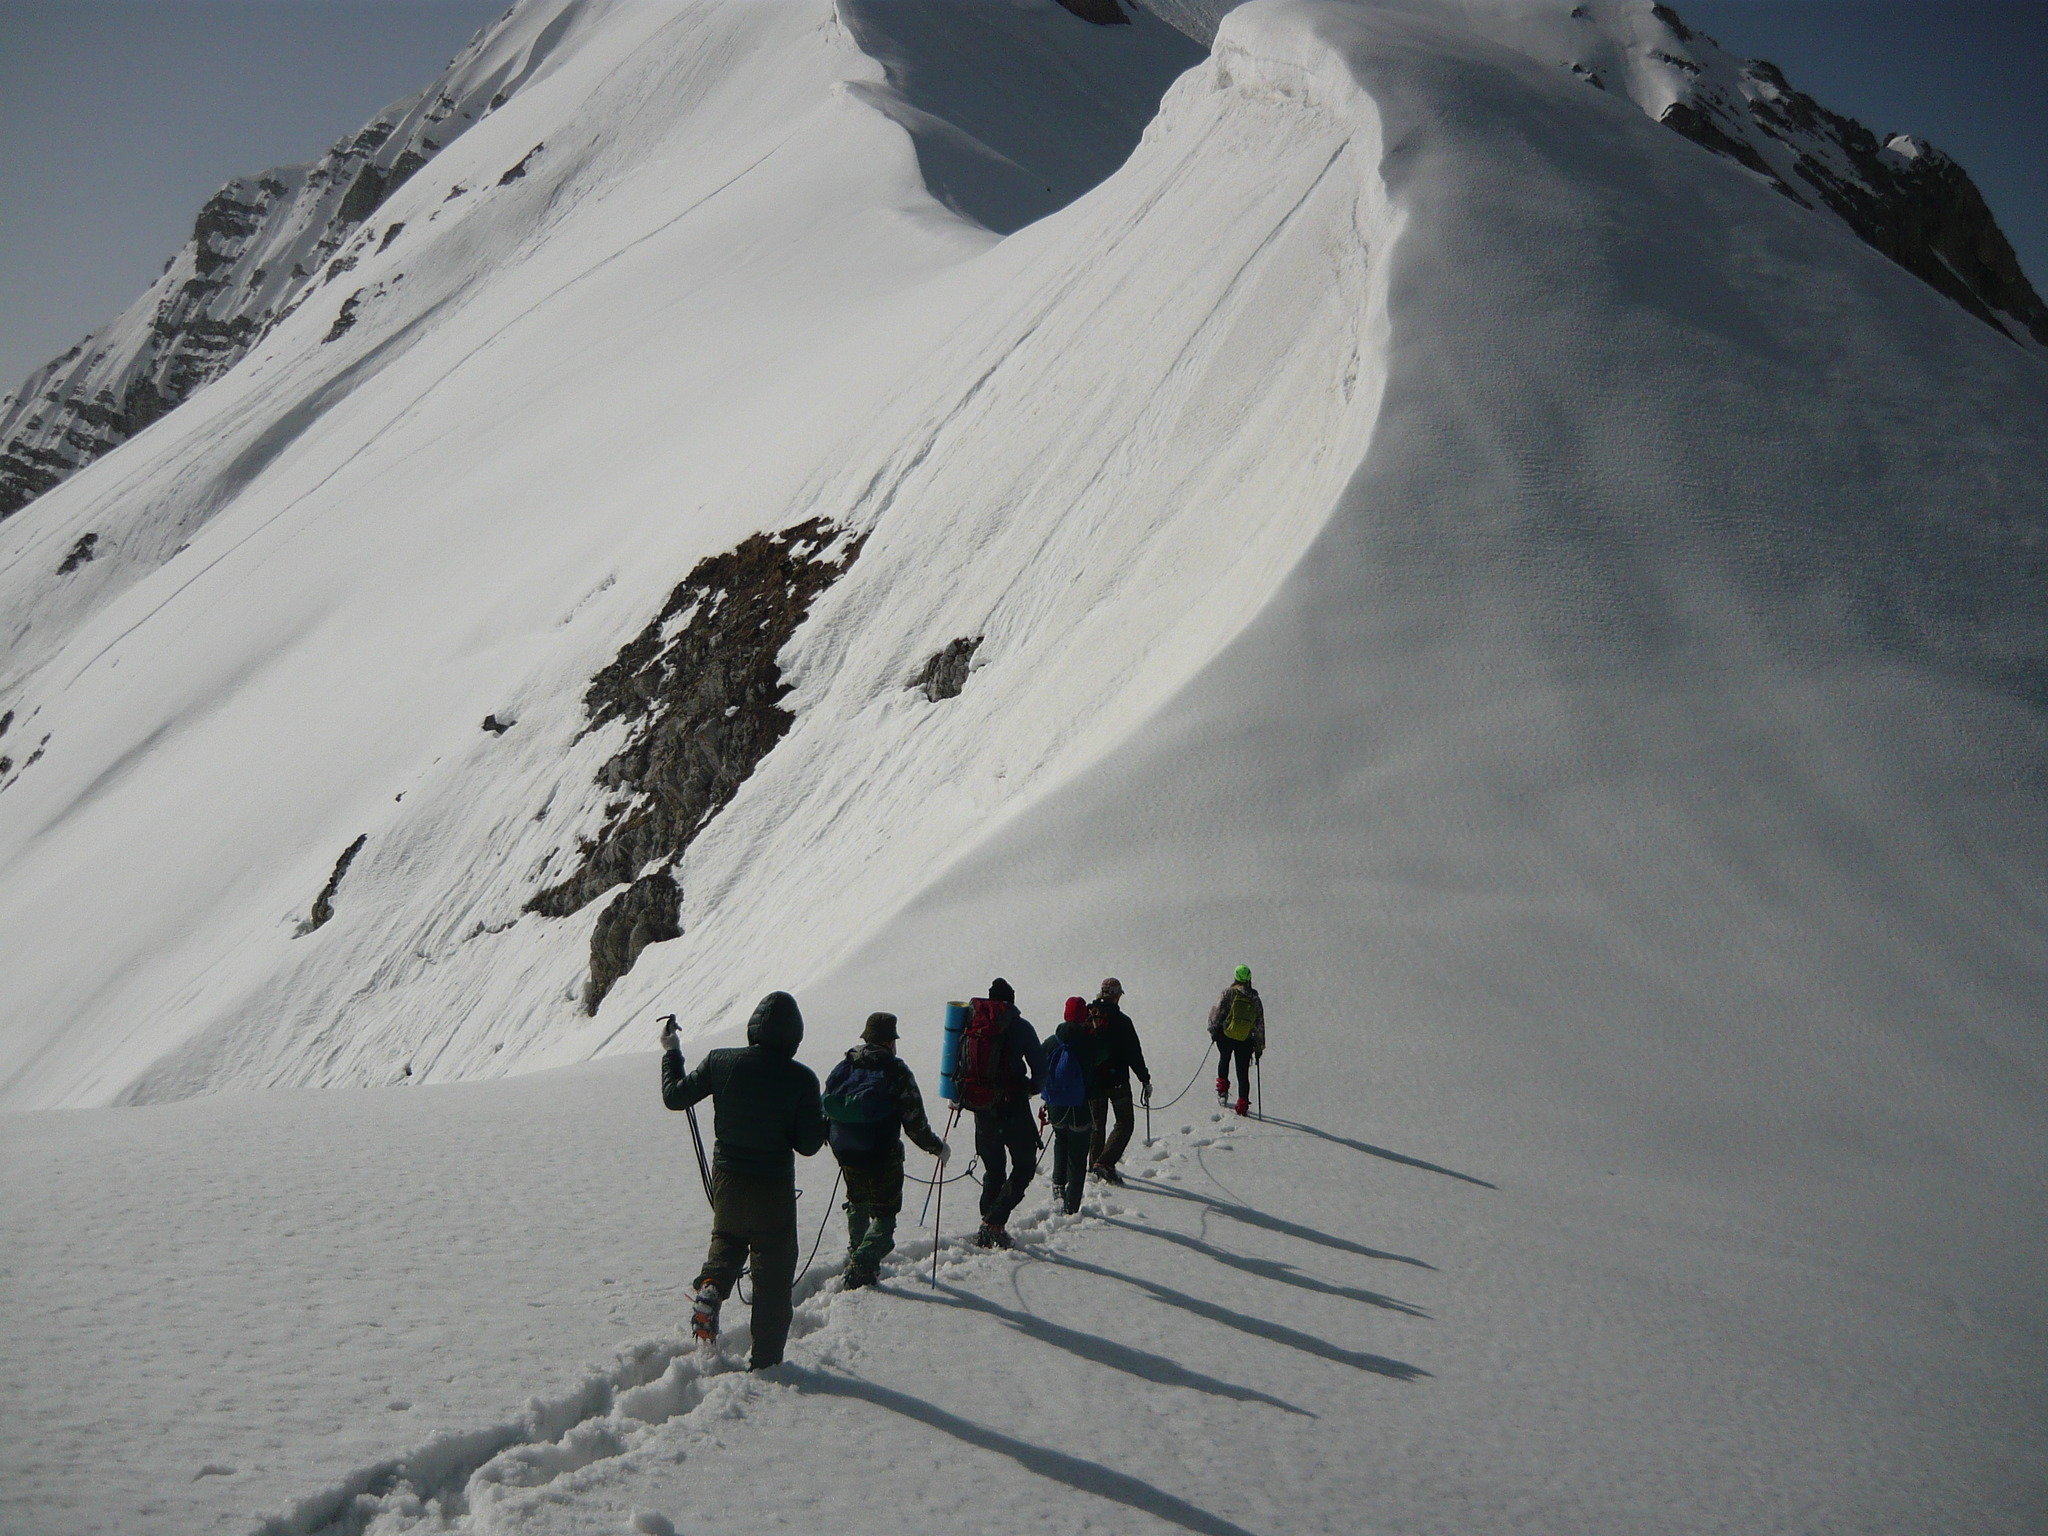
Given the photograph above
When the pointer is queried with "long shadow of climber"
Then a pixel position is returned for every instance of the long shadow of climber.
(1372, 1151)
(1057, 1466)
(1257, 1327)
(1252, 1217)
(1268, 1269)
(1143, 1364)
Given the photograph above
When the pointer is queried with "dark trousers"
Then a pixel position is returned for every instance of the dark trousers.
(1105, 1145)
(1242, 1050)
(874, 1196)
(753, 1222)
(1006, 1142)
(1071, 1127)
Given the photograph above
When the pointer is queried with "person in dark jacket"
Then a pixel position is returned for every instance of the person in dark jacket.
(1066, 1102)
(765, 1107)
(1005, 1139)
(1122, 1056)
(870, 1150)
(1238, 1026)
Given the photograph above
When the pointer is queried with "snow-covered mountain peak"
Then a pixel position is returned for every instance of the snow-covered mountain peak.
(260, 247)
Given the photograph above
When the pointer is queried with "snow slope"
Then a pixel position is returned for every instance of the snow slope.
(1566, 616)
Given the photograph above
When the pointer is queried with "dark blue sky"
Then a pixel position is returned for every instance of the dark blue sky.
(118, 118)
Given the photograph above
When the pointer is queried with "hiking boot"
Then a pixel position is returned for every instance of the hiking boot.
(1110, 1175)
(1222, 1087)
(858, 1275)
(992, 1235)
(1244, 1106)
(704, 1312)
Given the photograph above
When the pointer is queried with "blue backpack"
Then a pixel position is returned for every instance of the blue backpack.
(1066, 1083)
(859, 1107)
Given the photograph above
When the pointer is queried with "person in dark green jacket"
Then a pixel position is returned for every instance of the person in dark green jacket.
(765, 1107)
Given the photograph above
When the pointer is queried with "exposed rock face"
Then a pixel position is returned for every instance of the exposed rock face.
(81, 552)
(1901, 196)
(700, 692)
(259, 247)
(1104, 13)
(945, 674)
(323, 904)
(646, 912)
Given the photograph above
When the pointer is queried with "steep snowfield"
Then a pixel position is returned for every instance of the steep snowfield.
(1569, 618)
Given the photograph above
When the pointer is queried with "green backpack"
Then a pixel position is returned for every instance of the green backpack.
(1243, 1017)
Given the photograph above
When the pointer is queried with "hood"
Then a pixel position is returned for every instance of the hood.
(777, 1024)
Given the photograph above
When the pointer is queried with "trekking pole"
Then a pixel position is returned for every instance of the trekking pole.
(939, 1171)
(939, 1219)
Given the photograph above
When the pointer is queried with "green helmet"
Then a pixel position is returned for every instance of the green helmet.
(1244, 973)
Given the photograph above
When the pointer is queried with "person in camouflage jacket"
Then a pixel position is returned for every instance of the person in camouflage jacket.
(870, 1153)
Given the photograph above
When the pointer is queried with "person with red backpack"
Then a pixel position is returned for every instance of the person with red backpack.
(1000, 1068)
(871, 1103)
(1069, 1085)
(1121, 1056)
(1238, 1026)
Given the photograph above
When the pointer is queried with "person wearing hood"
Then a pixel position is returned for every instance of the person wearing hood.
(872, 1103)
(765, 1107)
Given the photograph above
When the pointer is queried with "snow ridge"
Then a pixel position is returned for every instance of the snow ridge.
(496, 1478)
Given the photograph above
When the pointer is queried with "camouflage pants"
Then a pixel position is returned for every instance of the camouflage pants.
(874, 1196)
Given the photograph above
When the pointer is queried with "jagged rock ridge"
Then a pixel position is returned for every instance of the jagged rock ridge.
(1900, 195)
(259, 248)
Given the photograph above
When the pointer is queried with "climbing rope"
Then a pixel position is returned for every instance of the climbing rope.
(1191, 1081)
(822, 1221)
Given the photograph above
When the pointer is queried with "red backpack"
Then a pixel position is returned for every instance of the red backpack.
(983, 1073)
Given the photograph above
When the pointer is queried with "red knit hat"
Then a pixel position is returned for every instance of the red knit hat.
(1077, 1010)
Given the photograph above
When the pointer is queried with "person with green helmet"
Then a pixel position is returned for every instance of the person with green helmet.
(1238, 1026)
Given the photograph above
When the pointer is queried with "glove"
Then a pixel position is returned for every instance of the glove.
(945, 1151)
(1146, 1097)
(668, 1032)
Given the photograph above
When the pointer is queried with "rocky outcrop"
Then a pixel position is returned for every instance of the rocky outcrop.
(1103, 13)
(258, 249)
(323, 904)
(81, 552)
(700, 692)
(649, 911)
(1898, 194)
(945, 673)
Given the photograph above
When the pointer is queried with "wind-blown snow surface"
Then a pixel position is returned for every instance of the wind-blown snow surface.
(1570, 619)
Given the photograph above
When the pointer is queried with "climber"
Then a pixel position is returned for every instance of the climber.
(765, 1107)
(1238, 1026)
(872, 1103)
